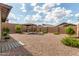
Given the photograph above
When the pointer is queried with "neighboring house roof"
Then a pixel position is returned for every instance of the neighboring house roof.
(30, 24)
(5, 9)
(66, 24)
(47, 25)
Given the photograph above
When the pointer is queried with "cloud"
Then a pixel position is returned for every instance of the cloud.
(45, 7)
(24, 10)
(59, 13)
(34, 19)
(77, 15)
(12, 16)
(23, 7)
(52, 14)
(37, 9)
(33, 4)
(49, 5)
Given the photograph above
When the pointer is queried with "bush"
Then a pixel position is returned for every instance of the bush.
(69, 30)
(56, 33)
(18, 28)
(70, 41)
(4, 34)
(6, 29)
(45, 31)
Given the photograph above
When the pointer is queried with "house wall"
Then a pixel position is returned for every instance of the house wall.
(51, 29)
(60, 29)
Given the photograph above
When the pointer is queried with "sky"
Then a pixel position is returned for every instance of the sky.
(44, 13)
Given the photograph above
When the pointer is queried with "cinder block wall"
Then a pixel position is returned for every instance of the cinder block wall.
(61, 29)
(10, 26)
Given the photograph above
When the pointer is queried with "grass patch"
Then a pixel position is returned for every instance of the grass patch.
(70, 41)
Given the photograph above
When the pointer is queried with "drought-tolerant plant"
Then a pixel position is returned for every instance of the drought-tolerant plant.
(45, 30)
(6, 29)
(56, 33)
(18, 28)
(70, 41)
(69, 30)
(5, 33)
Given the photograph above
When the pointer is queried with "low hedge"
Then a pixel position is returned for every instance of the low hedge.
(70, 41)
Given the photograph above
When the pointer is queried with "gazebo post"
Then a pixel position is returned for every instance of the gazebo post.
(0, 23)
(78, 30)
(4, 11)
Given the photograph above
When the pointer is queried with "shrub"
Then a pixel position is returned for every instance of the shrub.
(4, 33)
(69, 30)
(5, 36)
(6, 29)
(70, 41)
(45, 31)
(56, 33)
(18, 28)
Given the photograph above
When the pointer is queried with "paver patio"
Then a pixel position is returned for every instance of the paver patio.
(41, 45)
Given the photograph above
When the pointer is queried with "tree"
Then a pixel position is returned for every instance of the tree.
(69, 30)
(18, 28)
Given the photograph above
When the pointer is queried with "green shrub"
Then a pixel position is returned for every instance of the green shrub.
(18, 28)
(56, 33)
(6, 29)
(70, 41)
(45, 31)
(69, 30)
(4, 33)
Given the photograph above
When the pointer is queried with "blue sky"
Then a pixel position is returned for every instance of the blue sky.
(44, 13)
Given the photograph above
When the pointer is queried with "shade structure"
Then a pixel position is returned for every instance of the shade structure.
(4, 11)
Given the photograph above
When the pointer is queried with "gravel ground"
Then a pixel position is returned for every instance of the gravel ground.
(41, 45)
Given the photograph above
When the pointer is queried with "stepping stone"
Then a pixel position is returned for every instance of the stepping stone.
(20, 43)
(0, 49)
(14, 44)
(6, 47)
(9, 46)
(17, 44)
(3, 48)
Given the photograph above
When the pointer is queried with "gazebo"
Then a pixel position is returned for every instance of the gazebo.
(4, 11)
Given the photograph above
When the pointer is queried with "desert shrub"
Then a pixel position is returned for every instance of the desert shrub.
(56, 33)
(70, 41)
(4, 33)
(69, 30)
(18, 28)
(6, 29)
(45, 31)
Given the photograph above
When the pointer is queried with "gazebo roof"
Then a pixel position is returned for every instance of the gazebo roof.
(5, 9)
